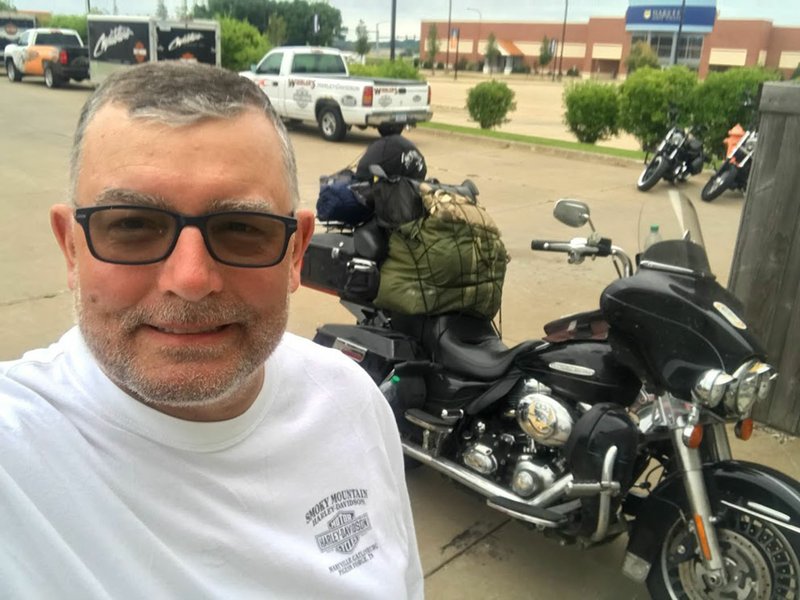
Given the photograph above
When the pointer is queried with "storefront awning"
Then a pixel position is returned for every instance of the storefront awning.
(508, 48)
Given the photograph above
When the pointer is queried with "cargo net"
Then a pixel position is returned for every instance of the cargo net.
(448, 259)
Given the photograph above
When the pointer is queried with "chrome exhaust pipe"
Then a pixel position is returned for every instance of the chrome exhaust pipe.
(479, 484)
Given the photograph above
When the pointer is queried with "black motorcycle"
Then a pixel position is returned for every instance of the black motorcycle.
(678, 155)
(735, 169)
(614, 422)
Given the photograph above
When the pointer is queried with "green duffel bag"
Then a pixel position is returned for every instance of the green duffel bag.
(451, 260)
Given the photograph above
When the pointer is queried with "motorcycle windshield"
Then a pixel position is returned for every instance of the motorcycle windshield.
(681, 243)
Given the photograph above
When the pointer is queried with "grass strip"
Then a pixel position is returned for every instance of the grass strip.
(531, 139)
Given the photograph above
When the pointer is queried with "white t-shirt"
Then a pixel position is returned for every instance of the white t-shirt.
(302, 496)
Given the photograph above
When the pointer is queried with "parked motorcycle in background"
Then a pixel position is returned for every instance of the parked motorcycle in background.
(735, 169)
(679, 155)
(615, 422)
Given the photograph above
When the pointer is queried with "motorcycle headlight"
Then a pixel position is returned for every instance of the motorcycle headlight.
(749, 146)
(676, 139)
(710, 388)
(753, 382)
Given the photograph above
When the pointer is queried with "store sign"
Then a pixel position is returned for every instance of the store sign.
(670, 16)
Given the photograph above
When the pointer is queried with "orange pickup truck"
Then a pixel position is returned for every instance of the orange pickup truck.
(58, 55)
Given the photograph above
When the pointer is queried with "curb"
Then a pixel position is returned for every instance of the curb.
(617, 161)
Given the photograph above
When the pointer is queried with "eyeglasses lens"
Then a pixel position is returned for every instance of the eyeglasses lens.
(144, 235)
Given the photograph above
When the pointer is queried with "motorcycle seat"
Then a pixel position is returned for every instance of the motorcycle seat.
(468, 346)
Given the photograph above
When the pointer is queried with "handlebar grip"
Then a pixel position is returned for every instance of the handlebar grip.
(550, 245)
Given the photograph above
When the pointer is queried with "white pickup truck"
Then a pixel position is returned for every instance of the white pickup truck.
(312, 84)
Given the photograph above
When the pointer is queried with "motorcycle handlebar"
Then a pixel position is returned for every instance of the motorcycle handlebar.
(551, 246)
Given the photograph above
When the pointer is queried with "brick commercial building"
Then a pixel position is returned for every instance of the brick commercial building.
(598, 48)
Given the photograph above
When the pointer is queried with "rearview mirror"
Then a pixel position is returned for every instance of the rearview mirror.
(571, 212)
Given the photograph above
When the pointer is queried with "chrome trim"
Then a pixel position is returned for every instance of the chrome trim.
(755, 513)
(651, 264)
(697, 494)
(605, 496)
(522, 516)
(635, 567)
(769, 511)
(721, 446)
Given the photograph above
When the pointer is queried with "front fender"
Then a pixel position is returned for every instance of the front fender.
(732, 485)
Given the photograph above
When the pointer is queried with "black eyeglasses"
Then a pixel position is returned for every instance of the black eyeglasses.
(140, 235)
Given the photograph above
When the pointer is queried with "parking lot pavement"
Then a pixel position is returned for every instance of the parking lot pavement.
(468, 550)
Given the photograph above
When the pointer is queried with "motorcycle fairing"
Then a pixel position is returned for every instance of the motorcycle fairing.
(731, 484)
(671, 320)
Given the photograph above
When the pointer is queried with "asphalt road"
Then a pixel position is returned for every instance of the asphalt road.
(468, 550)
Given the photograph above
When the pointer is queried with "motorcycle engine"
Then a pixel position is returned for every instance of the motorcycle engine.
(544, 418)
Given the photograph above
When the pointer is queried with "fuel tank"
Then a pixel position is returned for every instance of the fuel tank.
(581, 371)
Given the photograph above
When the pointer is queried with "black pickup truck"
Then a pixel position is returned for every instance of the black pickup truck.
(58, 55)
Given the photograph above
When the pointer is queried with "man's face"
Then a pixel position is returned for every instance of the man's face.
(186, 332)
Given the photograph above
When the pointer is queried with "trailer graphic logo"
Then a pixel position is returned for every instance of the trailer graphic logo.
(344, 532)
(184, 40)
(115, 36)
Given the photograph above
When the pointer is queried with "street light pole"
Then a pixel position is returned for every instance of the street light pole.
(449, 25)
(563, 36)
(394, 20)
(478, 42)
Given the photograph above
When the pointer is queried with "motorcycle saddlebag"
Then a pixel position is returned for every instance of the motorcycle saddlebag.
(328, 266)
(375, 349)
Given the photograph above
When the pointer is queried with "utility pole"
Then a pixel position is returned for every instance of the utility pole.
(394, 20)
(449, 25)
(673, 59)
(563, 36)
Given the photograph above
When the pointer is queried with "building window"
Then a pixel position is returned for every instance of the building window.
(662, 44)
(689, 48)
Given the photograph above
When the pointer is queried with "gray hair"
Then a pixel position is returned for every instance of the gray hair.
(177, 94)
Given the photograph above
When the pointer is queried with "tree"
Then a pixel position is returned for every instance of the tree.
(362, 40)
(6, 6)
(492, 52)
(276, 30)
(545, 53)
(161, 10)
(641, 55)
(242, 44)
(183, 11)
(433, 45)
(76, 22)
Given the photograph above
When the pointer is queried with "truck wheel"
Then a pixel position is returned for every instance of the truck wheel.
(331, 124)
(50, 78)
(11, 71)
(390, 129)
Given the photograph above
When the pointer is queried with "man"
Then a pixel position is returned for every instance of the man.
(177, 443)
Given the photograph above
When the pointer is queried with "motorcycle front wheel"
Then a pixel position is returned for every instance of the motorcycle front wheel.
(654, 171)
(760, 563)
(718, 183)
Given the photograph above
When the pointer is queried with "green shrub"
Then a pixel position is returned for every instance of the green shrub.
(726, 98)
(591, 110)
(649, 97)
(489, 102)
(397, 69)
(241, 44)
(796, 73)
(573, 72)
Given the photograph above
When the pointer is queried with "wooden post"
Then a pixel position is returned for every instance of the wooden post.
(765, 273)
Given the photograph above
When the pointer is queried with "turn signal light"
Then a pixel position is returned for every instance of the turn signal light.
(744, 429)
(692, 436)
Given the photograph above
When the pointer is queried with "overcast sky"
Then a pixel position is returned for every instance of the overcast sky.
(411, 12)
